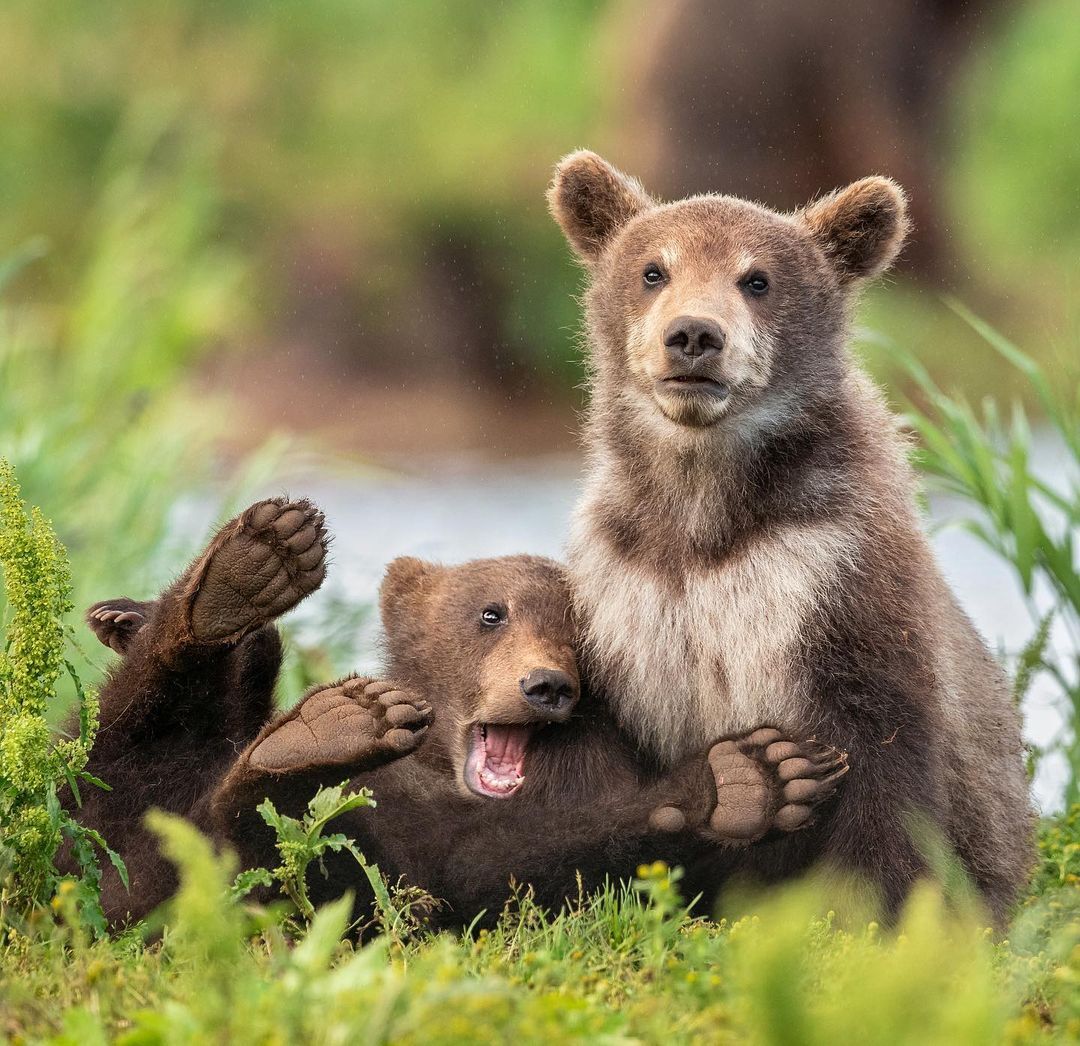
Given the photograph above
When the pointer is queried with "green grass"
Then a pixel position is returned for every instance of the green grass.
(628, 964)
(103, 437)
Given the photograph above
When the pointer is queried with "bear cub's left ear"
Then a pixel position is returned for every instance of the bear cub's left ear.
(861, 228)
(406, 589)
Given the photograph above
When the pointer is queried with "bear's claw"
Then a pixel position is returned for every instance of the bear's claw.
(766, 782)
(357, 723)
(116, 622)
(258, 566)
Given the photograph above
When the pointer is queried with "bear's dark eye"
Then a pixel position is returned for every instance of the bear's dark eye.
(652, 275)
(493, 615)
(756, 283)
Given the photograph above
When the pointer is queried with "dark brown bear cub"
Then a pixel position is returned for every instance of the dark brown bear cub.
(195, 686)
(748, 547)
(487, 762)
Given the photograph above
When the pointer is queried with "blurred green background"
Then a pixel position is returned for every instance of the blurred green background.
(361, 184)
(234, 233)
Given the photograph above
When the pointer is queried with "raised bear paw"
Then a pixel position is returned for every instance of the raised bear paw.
(259, 565)
(116, 622)
(358, 723)
(767, 782)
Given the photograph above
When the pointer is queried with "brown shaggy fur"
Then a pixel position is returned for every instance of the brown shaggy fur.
(183, 730)
(189, 695)
(748, 547)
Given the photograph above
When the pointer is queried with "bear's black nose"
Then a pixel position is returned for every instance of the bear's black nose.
(551, 691)
(693, 336)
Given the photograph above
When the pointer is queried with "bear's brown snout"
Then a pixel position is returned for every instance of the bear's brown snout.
(551, 692)
(689, 338)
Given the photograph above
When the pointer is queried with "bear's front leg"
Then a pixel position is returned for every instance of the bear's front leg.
(764, 782)
(359, 724)
(338, 730)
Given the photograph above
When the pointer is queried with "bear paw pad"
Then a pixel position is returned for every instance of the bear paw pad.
(357, 723)
(767, 782)
(259, 566)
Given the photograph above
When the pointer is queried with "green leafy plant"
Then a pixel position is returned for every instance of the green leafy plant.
(302, 842)
(1059, 855)
(1030, 520)
(400, 909)
(34, 766)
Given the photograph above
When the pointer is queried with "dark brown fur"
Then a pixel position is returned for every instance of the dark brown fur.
(771, 537)
(183, 703)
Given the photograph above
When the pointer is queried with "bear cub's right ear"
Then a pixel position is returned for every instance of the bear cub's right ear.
(592, 201)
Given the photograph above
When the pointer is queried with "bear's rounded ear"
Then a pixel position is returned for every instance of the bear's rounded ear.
(592, 201)
(860, 228)
(405, 589)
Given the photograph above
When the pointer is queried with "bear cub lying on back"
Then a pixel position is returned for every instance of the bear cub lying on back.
(510, 772)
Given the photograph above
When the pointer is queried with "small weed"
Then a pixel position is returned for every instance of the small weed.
(1028, 519)
(302, 842)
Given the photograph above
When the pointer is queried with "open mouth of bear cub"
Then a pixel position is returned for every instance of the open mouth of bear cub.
(495, 765)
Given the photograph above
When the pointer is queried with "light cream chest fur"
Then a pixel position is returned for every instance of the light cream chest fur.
(683, 669)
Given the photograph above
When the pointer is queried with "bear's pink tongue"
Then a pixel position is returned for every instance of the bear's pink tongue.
(499, 768)
(505, 749)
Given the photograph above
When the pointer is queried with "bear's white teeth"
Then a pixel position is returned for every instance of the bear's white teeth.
(498, 783)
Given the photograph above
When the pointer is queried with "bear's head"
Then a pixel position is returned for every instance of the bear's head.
(714, 311)
(491, 645)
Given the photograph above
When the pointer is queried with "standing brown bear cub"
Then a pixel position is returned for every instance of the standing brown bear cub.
(748, 548)
(487, 762)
